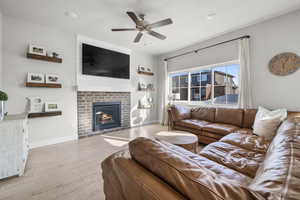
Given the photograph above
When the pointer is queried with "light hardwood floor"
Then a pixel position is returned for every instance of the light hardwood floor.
(70, 170)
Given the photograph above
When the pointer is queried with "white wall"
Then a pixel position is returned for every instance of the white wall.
(17, 34)
(267, 39)
(1, 61)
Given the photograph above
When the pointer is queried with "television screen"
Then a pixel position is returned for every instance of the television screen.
(103, 62)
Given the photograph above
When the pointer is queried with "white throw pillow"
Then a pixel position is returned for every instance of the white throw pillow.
(266, 122)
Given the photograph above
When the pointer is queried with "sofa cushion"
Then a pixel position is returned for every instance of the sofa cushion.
(244, 131)
(234, 157)
(181, 170)
(247, 141)
(192, 123)
(183, 128)
(249, 117)
(278, 176)
(180, 113)
(229, 116)
(212, 135)
(204, 113)
(222, 129)
(267, 122)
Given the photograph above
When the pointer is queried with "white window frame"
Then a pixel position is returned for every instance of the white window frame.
(189, 71)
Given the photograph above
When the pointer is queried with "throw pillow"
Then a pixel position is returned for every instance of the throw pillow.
(266, 122)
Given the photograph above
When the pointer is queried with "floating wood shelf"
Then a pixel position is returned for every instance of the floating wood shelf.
(44, 85)
(146, 89)
(146, 73)
(44, 58)
(145, 107)
(44, 114)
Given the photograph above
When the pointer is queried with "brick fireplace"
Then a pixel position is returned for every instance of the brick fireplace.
(101, 112)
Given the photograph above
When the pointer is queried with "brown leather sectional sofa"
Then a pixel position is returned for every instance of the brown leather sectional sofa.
(211, 124)
(239, 166)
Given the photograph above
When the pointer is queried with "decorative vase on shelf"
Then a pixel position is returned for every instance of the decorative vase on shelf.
(3, 98)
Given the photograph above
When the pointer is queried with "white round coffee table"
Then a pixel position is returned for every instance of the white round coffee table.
(186, 140)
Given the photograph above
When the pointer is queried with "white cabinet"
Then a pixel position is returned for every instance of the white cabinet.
(14, 145)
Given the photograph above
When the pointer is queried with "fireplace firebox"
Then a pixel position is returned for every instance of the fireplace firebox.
(106, 115)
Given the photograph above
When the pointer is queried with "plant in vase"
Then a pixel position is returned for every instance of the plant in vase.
(3, 98)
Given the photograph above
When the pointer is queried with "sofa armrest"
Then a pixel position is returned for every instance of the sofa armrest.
(125, 179)
(180, 169)
(180, 113)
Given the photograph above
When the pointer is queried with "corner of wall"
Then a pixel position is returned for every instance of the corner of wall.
(1, 61)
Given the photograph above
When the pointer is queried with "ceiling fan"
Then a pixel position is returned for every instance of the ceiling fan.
(143, 26)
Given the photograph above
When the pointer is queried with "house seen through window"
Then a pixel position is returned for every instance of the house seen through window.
(216, 84)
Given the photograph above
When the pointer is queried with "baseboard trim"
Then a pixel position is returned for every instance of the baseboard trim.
(75, 137)
(145, 123)
(52, 141)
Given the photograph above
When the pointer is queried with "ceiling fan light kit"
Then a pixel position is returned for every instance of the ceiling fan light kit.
(144, 27)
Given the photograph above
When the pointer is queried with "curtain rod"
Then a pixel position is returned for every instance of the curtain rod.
(207, 47)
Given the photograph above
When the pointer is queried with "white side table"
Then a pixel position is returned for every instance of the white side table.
(14, 145)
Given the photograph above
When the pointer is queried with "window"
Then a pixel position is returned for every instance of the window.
(180, 87)
(215, 84)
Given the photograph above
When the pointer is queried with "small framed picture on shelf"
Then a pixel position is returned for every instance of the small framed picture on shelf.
(52, 78)
(37, 50)
(148, 70)
(141, 69)
(51, 106)
(35, 78)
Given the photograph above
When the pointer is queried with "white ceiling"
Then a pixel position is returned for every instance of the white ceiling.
(97, 17)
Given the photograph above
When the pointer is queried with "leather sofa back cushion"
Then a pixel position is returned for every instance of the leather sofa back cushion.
(204, 113)
(180, 112)
(229, 116)
(249, 118)
(278, 176)
(180, 169)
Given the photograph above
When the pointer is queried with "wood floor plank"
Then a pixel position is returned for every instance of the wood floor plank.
(70, 170)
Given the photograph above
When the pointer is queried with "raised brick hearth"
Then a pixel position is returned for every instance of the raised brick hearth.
(85, 101)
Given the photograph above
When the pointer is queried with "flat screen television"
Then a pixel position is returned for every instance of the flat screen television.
(98, 61)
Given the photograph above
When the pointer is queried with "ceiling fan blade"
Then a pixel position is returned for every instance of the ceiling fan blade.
(155, 34)
(123, 29)
(138, 37)
(160, 23)
(134, 18)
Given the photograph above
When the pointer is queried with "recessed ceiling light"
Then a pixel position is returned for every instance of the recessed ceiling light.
(71, 14)
(210, 16)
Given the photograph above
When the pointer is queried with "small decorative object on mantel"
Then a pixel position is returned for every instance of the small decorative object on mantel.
(37, 50)
(35, 78)
(3, 98)
(284, 64)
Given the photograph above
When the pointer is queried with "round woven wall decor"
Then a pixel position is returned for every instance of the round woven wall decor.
(284, 64)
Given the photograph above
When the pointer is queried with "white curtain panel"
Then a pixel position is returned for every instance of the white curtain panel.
(164, 95)
(245, 97)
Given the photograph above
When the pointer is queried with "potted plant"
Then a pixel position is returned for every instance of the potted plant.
(3, 98)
